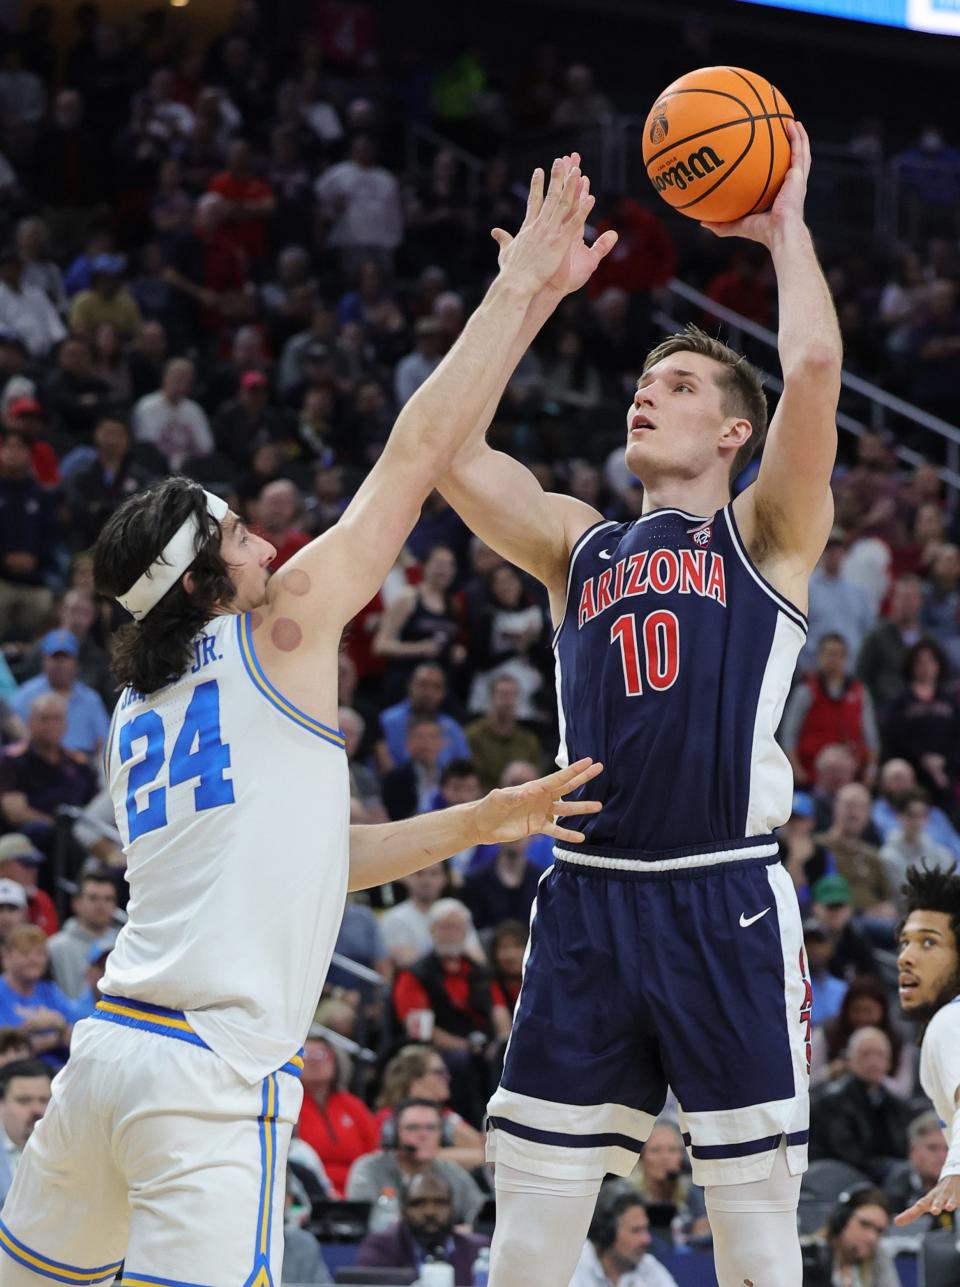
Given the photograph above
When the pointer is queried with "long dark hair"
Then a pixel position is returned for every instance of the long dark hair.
(149, 653)
(839, 1030)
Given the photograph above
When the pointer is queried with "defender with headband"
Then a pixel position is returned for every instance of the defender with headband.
(165, 1142)
(668, 949)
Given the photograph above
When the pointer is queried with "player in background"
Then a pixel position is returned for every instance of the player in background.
(165, 1154)
(668, 948)
(929, 983)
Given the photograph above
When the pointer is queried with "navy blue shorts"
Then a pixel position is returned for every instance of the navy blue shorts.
(692, 977)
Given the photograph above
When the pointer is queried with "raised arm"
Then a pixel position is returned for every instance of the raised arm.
(390, 850)
(346, 565)
(790, 504)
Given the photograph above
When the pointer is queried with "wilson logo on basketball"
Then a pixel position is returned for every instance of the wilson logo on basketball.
(660, 126)
(682, 173)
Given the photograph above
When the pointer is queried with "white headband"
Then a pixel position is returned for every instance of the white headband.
(171, 563)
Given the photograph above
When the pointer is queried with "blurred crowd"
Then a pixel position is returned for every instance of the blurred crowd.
(222, 261)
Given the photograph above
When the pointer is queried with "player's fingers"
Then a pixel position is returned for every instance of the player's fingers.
(566, 780)
(535, 195)
(911, 1213)
(562, 833)
(568, 197)
(502, 238)
(555, 186)
(565, 808)
(605, 243)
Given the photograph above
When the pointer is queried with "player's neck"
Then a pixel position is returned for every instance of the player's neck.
(699, 496)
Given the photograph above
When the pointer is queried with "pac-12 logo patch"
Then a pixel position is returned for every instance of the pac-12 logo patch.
(659, 126)
(701, 535)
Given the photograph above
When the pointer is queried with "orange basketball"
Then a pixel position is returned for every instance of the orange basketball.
(715, 144)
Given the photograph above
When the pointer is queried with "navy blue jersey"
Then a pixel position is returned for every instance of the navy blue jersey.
(674, 660)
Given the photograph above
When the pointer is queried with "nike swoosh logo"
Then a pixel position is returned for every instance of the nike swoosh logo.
(748, 920)
(605, 554)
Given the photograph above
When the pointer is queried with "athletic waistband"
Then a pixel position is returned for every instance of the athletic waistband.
(708, 855)
(167, 1023)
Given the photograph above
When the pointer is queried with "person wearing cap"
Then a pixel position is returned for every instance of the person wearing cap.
(412, 370)
(29, 542)
(246, 420)
(830, 708)
(13, 905)
(94, 905)
(25, 311)
(106, 300)
(87, 719)
(20, 860)
(77, 613)
(850, 950)
(171, 420)
(837, 605)
(26, 415)
(30, 1001)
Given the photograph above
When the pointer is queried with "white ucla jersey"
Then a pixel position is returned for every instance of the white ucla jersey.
(234, 810)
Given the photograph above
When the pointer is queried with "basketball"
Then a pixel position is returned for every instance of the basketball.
(715, 144)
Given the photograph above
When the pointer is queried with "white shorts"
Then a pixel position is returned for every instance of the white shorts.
(153, 1155)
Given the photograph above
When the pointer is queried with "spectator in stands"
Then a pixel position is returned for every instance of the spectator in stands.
(77, 614)
(509, 636)
(854, 1237)
(13, 1046)
(246, 420)
(827, 990)
(744, 287)
(581, 103)
(911, 845)
(28, 1000)
(617, 1250)
(36, 780)
(644, 258)
(208, 274)
(832, 905)
(503, 889)
(856, 1119)
(69, 170)
(497, 738)
(366, 803)
(865, 1005)
(426, 693)
(250, 202)
(75, 394)
(934, 347)
(833, 769)
(413, 786)
(941, 603)
(405, 927)
(460, 784)
(107, 301)
(419, 1131)
(24, 1096)
(837, 606)
(425, 1228)
(884, 648)
(922, 725)
(337, 1125)
(469, 1010)
(360, 940)
(660, 1179)
(25, 311)
(360, 204)
(411, 371)
(897, 777)
(508, 945)
(94, 905)
(95, 490)
(278, 519)
(25, 415)
(830, 708)
(856, 858)
(28, 542)
(13, 906)
(87, 719)
(19, 861)
(418, 1072)
(913, 1179)
(423, 622)
(170, 420)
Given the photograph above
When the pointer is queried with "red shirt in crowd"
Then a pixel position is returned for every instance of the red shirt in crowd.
(293, 541)
(340, 1132)
(410, 994)
(41, 911)
(248, 235)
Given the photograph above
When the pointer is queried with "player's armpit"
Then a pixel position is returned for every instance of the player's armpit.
(503, 503)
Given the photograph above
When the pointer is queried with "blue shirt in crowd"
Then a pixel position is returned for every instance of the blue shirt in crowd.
(393, 724)
(87, 719)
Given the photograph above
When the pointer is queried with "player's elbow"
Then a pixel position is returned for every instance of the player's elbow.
(818, 360)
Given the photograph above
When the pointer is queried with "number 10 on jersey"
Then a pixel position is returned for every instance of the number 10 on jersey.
(659, 657)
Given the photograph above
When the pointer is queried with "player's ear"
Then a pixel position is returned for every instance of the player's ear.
(188, 582)
(736, 433)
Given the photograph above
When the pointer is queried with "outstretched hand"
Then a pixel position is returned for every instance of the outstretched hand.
(944, 1196)
(581, 260)
(512, 813)
(787, 209)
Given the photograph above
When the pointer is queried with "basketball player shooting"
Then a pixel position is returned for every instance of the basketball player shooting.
(165, 1142)
(928, 964)
(667, 949)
